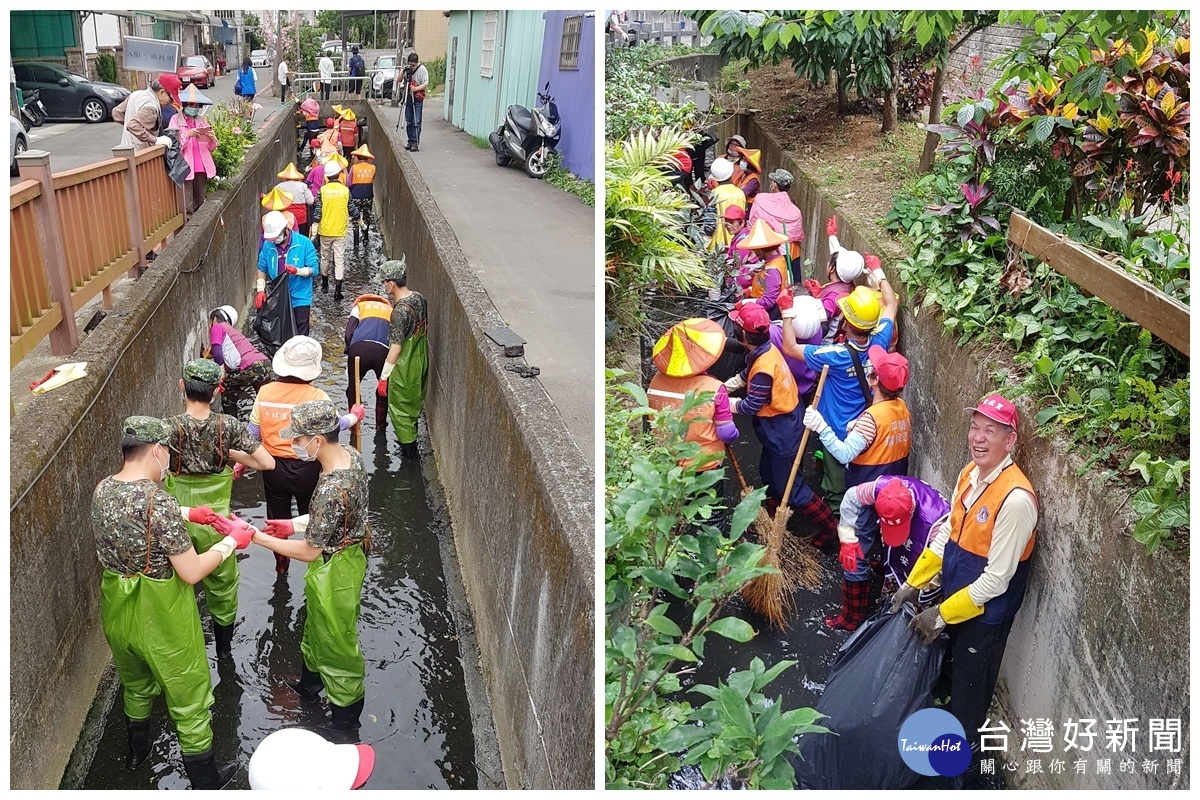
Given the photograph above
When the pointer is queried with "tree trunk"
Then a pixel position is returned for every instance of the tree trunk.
(935, 116)
(842, 99)
(889, 94)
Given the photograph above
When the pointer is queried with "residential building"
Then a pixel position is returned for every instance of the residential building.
(423, 31)
(569, 65)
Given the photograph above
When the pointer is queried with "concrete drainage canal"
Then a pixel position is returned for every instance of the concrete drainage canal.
(426, 711)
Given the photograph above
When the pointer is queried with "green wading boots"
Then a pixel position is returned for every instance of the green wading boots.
(309, 686)
(346, 718)
(138, 732)
(223, 636)
(202, 771)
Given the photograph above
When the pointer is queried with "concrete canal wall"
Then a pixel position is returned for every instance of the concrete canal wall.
(1103, 632)
(520, 492)
(66, 441)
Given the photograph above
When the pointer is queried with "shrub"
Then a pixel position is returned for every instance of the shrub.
(106, 67)
(234, 129)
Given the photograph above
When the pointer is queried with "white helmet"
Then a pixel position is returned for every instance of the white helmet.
(810, 313)
(332, 168)
(294, 758)
(230, 314)
(849, 265)
(722, 169)
(273, 224)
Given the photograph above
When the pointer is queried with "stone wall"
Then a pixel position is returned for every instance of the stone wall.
(64, 442)
(1103, 632)
(970, 62)
(521, 497)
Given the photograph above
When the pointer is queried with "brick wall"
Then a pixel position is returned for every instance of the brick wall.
(970, 62)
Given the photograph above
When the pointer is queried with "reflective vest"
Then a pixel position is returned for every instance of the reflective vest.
(970, 541)
(335, 209)
(362, 181)
(888, 454)
(668, 392)
(784, 395)
(374, 319)
(758, 283)
(275, 403)
(724, 196)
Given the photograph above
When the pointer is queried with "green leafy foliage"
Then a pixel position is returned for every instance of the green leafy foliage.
(562, 178)
(669, 577)
(1164, 504)
(437, 72)
(106, 67)
(633, 80)
(231, 122)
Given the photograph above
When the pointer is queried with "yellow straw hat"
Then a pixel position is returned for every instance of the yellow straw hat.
(363, 152)
(276, 200)
(290, 173)
(689, 348)
(762, 237)
(753, 157)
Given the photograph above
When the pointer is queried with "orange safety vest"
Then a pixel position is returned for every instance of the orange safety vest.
(758, 283)
(668, 392)
(372, 306)
(275, 403)
(784, 394)
(893, 434)
(362, 172)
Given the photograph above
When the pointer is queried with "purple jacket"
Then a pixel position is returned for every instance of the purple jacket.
(806, 378)
(231, 349)
(931, 508)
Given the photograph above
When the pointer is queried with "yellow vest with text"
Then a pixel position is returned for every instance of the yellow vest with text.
(335, 209)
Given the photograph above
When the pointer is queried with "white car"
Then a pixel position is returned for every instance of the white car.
(332, 46)
(18, 142)
(260, 58)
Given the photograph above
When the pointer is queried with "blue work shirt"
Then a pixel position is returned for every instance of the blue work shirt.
(842, 399)
(300, 253)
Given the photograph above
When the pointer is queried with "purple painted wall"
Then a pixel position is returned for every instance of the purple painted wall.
(574, 91)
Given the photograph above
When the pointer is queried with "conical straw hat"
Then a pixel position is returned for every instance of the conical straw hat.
(689, 348)
(762, 237)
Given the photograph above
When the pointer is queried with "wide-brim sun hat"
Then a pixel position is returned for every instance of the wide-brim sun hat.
(753, 158)
(276, 200)
(290, 173)
(192, 95)
(762, 237)
(300, 357)
(295, 758)
(689, 348)
(363, 152)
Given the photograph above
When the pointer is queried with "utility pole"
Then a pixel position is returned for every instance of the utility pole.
(278, 50)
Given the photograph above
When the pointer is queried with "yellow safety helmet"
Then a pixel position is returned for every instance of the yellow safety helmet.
(861, 308)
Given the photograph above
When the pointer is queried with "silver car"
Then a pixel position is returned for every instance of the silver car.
(18, 142)
(260, 58)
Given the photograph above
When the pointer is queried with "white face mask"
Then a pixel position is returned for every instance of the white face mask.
(162, 474)
(281, 237)
(303, 453)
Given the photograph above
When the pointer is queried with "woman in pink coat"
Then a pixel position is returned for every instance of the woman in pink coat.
(197, 141)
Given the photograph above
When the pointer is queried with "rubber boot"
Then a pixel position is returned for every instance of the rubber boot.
(855, 603)
(324, 284)
(337, 291)
(138, 735)
(345, 718)
(223, 636)
(281, 564)
(820, 517)
(409, 450)
(201, 769)
(309, 686)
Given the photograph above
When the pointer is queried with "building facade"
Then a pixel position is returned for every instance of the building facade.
(568, 64)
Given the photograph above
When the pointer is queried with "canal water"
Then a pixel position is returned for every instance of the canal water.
(426, 711)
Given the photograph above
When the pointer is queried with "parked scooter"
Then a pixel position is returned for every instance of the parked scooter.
(528, 136)
(33, 113)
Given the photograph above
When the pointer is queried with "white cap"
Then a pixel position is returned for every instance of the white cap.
(332, 167)
(722, 169)
(230, 314)
(810, 313)
(273, 224)
(294, 758)
(300, 357)
(849, 265)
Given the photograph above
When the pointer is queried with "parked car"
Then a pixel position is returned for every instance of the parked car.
(260, 58)
(383, 76)
(18, 142)
(66, 94)
(332, 46)
(197, 70)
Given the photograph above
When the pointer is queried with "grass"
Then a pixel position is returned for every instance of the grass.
(481, 142)
(560, 177)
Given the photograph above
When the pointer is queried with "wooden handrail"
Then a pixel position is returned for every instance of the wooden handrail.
(1161, 314)
(142, 156)
(72, 177)
(22, 193)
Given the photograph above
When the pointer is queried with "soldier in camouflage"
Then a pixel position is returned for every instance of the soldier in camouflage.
(202, 446)
(408, 355)
(336, 537)
(146, 604)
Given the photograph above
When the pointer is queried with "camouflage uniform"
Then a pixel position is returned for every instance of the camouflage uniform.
(201, 447)
(337, 514)
(407, 381)
(123, 514)
(408, 316)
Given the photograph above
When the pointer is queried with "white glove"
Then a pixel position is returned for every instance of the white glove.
(735, 383)
(734, 402)
(814, 421)
(304, 272)
(165, 141)
(788, 313)
(875, 277)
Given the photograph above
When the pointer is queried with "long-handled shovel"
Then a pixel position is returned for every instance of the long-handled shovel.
(357, 401)
(771, 594)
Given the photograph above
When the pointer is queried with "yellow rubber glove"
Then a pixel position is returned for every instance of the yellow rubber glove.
(959, 607)
(928, 565)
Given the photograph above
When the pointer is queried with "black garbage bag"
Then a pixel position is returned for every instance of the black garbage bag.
(733, 359)
(275, 323)
(882, 675)
(177, 166)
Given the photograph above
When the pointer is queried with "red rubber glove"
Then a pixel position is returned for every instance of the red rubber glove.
(872, 262)
(225, 525)
(202, 515)
(280, 528)
(813, 286)
(290, 270)
(784, 301)
(359, 411)
(381, 389)
(238, 471)
(831, 226)
(849, 554)
(259, 299)
(239, 529)
(220, 387)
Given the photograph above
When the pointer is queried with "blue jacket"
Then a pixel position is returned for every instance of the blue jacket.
(245, 81)
(301, 253)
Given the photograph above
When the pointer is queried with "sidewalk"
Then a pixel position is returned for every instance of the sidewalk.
(533, 249)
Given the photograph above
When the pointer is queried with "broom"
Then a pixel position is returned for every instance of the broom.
(770, 594)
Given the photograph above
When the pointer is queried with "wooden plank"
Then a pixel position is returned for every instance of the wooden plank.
(144, 155)
(31, 337)
(162, 232)
(97, 284)
(22, 193)
(1161, 314)
(61, 180)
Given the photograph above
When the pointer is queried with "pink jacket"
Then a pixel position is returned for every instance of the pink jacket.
(197, 152)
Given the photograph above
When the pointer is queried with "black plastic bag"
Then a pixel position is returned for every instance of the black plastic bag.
(177, 166)
(882, 675)
(733, 359)
(275, 323)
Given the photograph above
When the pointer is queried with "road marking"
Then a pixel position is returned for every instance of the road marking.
(55, 131)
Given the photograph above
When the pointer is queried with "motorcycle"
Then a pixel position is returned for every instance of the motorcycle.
(33, 113)
(528, 136)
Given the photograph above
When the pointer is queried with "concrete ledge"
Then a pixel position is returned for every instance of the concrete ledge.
(64, 442)
(521, 496)
(1103, 632)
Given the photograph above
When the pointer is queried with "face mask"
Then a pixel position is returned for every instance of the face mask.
(281, 238)
(162, 473)
(302, 452)
(192, 112)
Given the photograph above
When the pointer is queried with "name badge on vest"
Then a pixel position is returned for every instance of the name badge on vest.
(982, 516)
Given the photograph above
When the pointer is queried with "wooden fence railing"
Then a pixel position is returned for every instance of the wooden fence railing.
(1161, 314)
(74, 233)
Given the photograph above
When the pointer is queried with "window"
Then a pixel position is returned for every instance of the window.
(568, 54)
(489, 44)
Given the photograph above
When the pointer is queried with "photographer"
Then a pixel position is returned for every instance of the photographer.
(416, 79)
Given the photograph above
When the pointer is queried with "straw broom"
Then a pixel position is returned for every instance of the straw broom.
(770, 595)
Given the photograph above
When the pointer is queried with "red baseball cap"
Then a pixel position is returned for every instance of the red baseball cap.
(751, 317)
(894, 504)
(997, 407)
(892, 368)
(734, 212)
